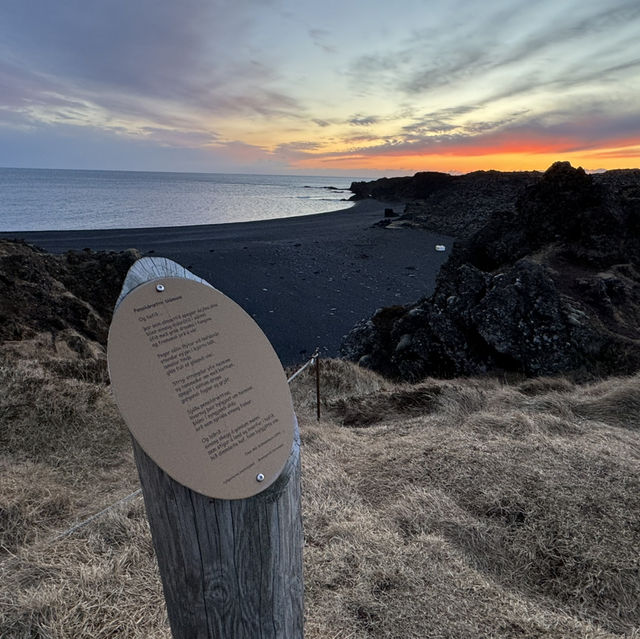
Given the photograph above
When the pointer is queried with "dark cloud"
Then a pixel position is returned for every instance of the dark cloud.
(374, 72)
(360, 139)
(451, 112)
(145, 46)
(426, 125)
(570, 29)
(170, 63)
(536, 43)
(433, 57)
(363, 120)
(166, 72)
(260, 101)
(555, 132)
(579, 75)
(447, 121)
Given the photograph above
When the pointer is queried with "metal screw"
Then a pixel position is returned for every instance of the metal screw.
(160, 288)
(259, 477)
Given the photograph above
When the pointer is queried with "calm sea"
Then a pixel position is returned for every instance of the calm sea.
(55, 199)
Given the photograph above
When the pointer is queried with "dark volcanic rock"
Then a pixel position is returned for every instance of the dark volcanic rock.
(593, 225)
(401, 188)
(456, 205)
(64, 302)
(552, 288)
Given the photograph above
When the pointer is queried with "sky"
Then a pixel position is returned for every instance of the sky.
(329, 88)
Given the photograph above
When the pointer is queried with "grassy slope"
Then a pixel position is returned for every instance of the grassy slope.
(465, 508)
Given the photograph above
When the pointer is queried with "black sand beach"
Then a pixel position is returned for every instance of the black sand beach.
(306, 280)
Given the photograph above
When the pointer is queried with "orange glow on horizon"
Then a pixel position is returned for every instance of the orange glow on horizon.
(524, 155)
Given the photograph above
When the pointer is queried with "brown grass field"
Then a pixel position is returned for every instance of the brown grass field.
(461, 508)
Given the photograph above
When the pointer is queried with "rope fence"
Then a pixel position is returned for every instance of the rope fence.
(304, 366)
(82, 524)
(315, 360)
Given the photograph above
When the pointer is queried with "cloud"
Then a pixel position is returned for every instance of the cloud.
(571, 28)
(149, 48)
(319, 38)
(507, 49)
(291, 152)
(242, 78)
(554, 133)
(179, 137)
(428, 125)
(363, 120)
(169, 64)
(361, 139)
(578, 76)
(632, 152)
(66, 146)
(22, 86)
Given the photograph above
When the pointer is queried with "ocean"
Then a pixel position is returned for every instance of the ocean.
(62, 199)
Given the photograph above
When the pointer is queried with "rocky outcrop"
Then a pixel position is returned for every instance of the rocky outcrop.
(553, 287)
(456, 205)
(61, 303)
(419, 186)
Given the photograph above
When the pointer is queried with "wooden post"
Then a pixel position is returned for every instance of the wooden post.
(230, 569)
(317, 383)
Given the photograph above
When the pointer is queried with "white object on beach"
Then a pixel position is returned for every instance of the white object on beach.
(440, 247)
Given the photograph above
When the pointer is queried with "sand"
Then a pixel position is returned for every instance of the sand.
(306, 280)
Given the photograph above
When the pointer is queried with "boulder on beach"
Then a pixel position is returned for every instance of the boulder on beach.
(552, 288)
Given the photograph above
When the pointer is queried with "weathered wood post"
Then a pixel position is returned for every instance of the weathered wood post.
(198, 387)
(317, 363)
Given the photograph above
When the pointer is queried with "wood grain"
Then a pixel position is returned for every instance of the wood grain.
(230, 569)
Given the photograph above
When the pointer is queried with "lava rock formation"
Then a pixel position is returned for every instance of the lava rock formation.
(549, 287)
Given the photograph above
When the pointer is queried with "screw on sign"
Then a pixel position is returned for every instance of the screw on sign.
(216, 444)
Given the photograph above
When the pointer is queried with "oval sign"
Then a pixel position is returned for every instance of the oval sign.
(200, 387)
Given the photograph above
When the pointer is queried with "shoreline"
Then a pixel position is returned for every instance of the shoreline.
(63, 237)
(305, 280)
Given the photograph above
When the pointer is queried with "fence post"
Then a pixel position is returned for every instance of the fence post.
(230, 568)
(317, 367)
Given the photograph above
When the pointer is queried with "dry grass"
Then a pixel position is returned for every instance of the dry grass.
(460, 508)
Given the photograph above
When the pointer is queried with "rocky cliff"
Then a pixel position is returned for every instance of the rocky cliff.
(548, 286)
(58, 303)
(455, 205)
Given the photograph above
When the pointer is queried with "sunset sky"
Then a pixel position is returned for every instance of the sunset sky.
(358, 88)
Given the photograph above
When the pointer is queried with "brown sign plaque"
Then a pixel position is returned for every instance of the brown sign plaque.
(200, 387)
